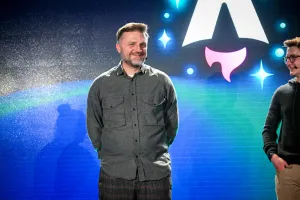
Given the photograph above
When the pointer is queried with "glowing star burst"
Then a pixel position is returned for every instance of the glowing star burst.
(261, 74)
(177, 3)
(164, 38)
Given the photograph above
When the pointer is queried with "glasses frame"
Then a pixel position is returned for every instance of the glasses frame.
(292, 58)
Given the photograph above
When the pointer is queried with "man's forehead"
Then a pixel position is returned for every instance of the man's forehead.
(293, 49)
(135, 35)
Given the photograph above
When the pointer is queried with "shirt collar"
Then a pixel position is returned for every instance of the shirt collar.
(120, 70)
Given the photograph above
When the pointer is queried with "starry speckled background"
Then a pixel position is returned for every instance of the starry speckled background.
(51, 50)
(46, 42)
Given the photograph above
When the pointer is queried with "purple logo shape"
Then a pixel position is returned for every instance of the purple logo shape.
(228, 60)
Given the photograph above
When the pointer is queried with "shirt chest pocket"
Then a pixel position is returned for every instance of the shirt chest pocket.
(153, 110)
(113, 112)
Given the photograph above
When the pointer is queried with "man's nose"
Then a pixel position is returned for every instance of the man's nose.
(139, 49)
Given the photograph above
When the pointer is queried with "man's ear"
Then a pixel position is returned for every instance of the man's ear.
(118, 47)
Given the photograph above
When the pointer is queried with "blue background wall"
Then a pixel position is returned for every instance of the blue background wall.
(52, 50)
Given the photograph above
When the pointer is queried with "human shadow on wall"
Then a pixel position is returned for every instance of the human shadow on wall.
(65, 169)
(77, 171)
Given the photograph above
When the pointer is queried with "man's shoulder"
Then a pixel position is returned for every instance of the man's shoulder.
(285, 87)
(103, 77)
(163, 77)
(284, 90)
(156, 72)
(107, 74)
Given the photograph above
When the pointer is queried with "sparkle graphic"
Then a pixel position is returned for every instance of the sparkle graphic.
(190, 71)
(261, 74)
(165, 38)
(282, 25)
(177, 3)
(279, 52)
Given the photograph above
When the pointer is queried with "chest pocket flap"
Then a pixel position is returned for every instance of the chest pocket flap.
(153, 101)
(112, 102)
(113, 111)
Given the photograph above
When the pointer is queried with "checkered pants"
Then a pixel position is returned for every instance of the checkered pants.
(119, 189)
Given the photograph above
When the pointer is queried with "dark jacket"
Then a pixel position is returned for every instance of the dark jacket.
(285, 111)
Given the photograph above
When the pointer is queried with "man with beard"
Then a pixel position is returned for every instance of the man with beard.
(132, 119)
(285, 109)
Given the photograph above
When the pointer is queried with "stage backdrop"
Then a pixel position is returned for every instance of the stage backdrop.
(224, 57)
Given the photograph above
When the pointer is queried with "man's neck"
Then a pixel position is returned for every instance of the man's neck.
(130, 71)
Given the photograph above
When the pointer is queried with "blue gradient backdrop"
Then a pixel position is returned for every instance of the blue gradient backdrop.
(52, 50)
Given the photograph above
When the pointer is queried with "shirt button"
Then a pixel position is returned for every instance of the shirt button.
(136, 156)
(132, 94)
(135, 140)
(134, 124)
(133, 108)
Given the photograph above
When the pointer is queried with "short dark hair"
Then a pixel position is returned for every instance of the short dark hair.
(292, 42)
(130, 27)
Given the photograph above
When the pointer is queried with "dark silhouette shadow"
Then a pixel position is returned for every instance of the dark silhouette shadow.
(65, 169)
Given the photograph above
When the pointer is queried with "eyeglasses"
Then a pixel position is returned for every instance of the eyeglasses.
(292, 58)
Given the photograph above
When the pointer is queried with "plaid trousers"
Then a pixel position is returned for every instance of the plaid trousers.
(119, 189)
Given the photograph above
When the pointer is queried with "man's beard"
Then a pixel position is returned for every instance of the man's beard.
(135, 64)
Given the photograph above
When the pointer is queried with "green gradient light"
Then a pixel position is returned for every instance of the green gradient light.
(17, 102)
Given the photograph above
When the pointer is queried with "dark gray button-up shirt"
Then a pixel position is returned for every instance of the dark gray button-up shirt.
(132, 121)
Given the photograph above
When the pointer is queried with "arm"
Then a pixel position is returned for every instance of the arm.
(272, 121)
(94, 117)
(171, 112)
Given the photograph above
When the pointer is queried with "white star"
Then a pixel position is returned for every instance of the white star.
(261, 74)
(164, 38)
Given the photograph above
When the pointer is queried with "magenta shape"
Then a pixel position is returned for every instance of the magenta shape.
(228, 60)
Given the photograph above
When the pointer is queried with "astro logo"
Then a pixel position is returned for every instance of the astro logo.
(203, 23)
